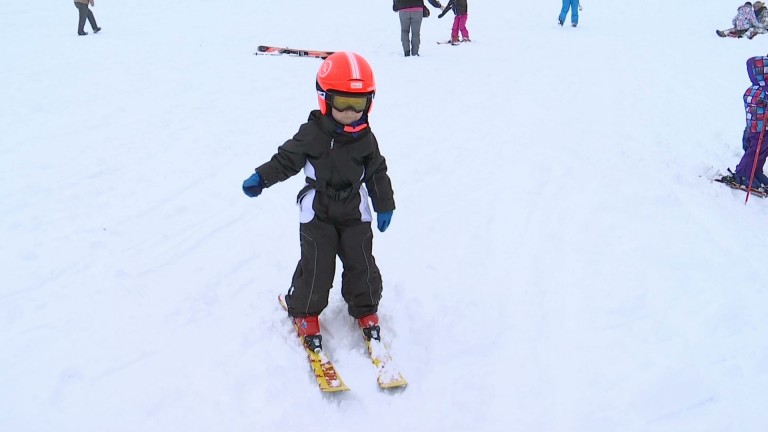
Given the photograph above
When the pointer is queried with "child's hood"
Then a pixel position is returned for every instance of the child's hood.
(757, 68)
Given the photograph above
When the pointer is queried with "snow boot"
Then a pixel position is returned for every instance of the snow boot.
(559, 21)
(370, 326)
(407, 53)
(96, 30)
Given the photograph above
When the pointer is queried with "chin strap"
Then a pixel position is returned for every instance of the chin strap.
(353, 128)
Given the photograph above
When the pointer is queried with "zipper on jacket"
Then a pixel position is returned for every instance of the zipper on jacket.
(332, 139)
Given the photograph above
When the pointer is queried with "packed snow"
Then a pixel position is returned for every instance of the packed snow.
(558, 261)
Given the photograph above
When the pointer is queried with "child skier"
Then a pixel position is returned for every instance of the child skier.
(745, 19)
(459, 8)
(344, 168)
(755, 102)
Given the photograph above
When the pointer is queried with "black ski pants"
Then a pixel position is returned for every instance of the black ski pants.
(321, 241)
(85, 13)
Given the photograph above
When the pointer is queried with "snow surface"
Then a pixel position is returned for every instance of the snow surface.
(558, 260)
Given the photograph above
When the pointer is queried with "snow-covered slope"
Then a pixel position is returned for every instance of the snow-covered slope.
(558, 260)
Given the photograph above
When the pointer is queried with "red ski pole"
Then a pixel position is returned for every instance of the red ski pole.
(757, 155)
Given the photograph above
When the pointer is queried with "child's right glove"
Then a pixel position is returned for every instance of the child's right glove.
(252, 186)
(445, 11)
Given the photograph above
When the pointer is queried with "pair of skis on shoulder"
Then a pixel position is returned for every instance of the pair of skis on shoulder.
(329, 380)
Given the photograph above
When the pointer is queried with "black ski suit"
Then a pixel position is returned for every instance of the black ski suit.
(343, 170)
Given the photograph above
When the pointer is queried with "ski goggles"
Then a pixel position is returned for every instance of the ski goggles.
(343, 102)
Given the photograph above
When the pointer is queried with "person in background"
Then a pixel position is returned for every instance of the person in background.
(85, 13)
(744, 20)
(755, 103)
(344, 169)
(411, 13)
(761, 12)
(574, 6)
(459, 8)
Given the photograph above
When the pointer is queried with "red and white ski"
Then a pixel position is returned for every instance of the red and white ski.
(272, 50)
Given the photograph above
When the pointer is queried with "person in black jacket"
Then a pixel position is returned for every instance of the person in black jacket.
(459, 8)
(344, 169)
(411, 13)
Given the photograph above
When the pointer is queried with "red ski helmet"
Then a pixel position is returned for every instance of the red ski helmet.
(345, 74)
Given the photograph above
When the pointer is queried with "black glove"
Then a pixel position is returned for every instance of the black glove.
(394, 5)
(443, 14)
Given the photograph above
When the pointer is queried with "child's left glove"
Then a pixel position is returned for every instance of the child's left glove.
(252, 186)
(383, 220)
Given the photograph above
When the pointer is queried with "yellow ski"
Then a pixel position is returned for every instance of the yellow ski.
(387, 374)
(325, 373)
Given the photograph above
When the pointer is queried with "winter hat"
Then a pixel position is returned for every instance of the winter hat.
(758, 4)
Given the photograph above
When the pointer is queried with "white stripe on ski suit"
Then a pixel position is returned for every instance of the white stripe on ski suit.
(307, 213)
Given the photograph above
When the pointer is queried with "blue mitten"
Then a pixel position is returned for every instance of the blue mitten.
(252, 186)
(383, 220)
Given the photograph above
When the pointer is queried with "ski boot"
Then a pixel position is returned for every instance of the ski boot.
(466, 40)
(370, 326)
(741, 181)
(309, 330)
(762, 179)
